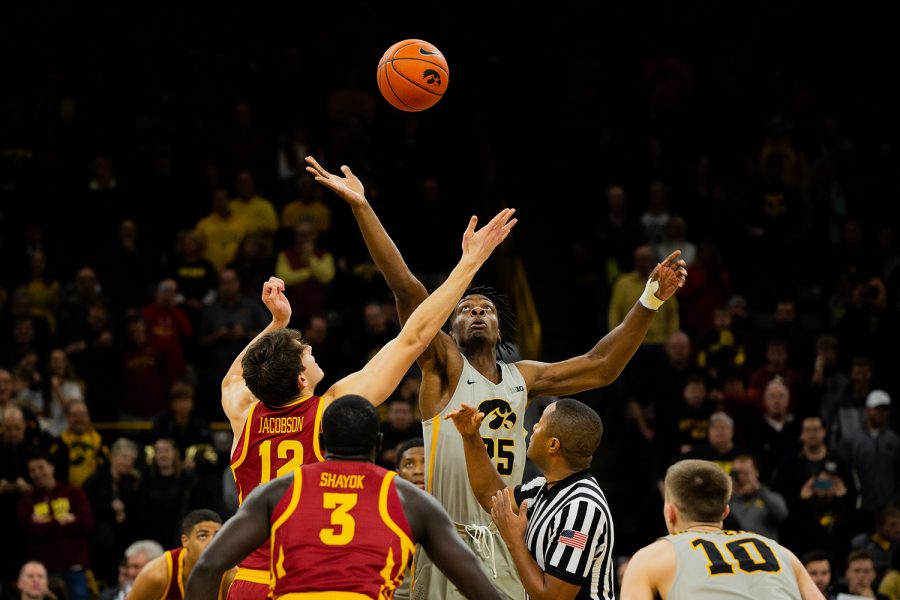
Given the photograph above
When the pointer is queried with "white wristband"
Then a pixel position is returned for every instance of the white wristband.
(648, 299)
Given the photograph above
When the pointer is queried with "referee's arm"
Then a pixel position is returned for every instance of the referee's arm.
(483, 477)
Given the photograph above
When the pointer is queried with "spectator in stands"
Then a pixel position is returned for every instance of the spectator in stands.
(86, 449)
(308, 204)
(128, 267)
(43, 289)
(720, 447)
(777, 366)
(95, 356)
(655, 219)
(818, 564)
(168, 493)
(881, 544)
(719, 349)
(144, 372)
(195, 276)
(258, 212)
(221, 231)
(860, 576)
(401, 425)
(890, 583)
(181, 422)
(755, 507)
(227, 324)
(137, 555)
(14, 482)
(874, 454)
(617, 234)
(376, 331)
(33, 582)
(675, 238)
(775, 434)
(820, 490)
(57, 521)
(113, 492)
(168, 329)
(829, 385)
(687, 426)
(851, 412)
(62, 386)
(307, 271)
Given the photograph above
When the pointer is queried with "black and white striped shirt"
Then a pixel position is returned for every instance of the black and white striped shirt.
(570, 532)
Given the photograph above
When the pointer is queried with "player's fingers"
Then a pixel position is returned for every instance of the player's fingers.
(346, 171)
(510, 225)
(473, 221)
(315, 164)
(670, 259)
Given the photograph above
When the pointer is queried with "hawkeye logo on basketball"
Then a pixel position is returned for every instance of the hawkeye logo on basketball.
(431, 77)
(280, 425)
(498, 413)
(336, 480)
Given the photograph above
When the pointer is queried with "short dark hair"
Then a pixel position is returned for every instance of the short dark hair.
(195, 517)
(815, 556)
(350, 426)
(506, 318)
(38, 453)
(859, 554)
(272, 366)
(402, 448)
(578, 428)
(699, 489)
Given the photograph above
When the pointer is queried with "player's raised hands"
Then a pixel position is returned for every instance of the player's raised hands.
(348, 187)
(671, 274)
(275, 300)
(467, 419)
(479, 244)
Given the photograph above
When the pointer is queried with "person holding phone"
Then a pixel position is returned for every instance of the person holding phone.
(755, 507)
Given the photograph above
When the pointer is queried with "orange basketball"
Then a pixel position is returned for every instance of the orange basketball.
(413, 75)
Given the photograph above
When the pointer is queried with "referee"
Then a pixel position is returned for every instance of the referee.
(562, 544)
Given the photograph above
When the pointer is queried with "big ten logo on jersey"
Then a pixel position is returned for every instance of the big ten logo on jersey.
(498, 414)
(750, 554)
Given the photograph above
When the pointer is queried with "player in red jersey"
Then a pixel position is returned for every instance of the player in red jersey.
(164, 578)
(278, 433)
(345, 527)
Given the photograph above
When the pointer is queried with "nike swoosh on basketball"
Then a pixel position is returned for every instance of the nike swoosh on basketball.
(425, 52)
(470, 382)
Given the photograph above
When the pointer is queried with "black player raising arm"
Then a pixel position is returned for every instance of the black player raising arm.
(381, 375)
(475, 322)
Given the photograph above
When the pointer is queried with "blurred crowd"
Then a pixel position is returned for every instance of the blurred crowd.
(147, 192)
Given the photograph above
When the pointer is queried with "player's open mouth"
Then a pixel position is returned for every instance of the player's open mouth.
(478, 325)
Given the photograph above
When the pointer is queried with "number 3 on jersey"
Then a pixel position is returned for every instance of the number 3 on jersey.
(285, 448)
(503, 453)
(344, 525)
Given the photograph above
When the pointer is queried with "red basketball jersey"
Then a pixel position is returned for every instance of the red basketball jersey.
(175, 565)
(340, 527)
(275, 442)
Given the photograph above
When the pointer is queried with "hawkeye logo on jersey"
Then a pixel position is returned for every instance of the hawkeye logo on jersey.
(337, 480)
(498, 413)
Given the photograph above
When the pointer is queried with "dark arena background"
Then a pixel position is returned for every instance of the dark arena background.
(761, 140)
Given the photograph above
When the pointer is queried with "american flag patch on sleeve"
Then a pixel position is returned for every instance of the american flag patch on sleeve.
(573, 538)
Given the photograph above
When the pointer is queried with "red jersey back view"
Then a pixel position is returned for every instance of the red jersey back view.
(340, 527)
(274, 442)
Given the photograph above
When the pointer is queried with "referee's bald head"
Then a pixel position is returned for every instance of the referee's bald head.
(578, 428)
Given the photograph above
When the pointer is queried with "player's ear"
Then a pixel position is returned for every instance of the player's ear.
(727, 512)
(184, 540)
(553, 446)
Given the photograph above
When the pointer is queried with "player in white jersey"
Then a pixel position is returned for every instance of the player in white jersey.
(462, 366)
(699, 560)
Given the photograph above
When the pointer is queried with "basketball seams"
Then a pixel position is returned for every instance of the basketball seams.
(412, 81)
(391, 87)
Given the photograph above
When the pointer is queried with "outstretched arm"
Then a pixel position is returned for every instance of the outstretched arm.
(243, 533)
(236, 398)
(483, 477)
(381, 375)
(432, 527)
(603, 364)
(408, 291)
